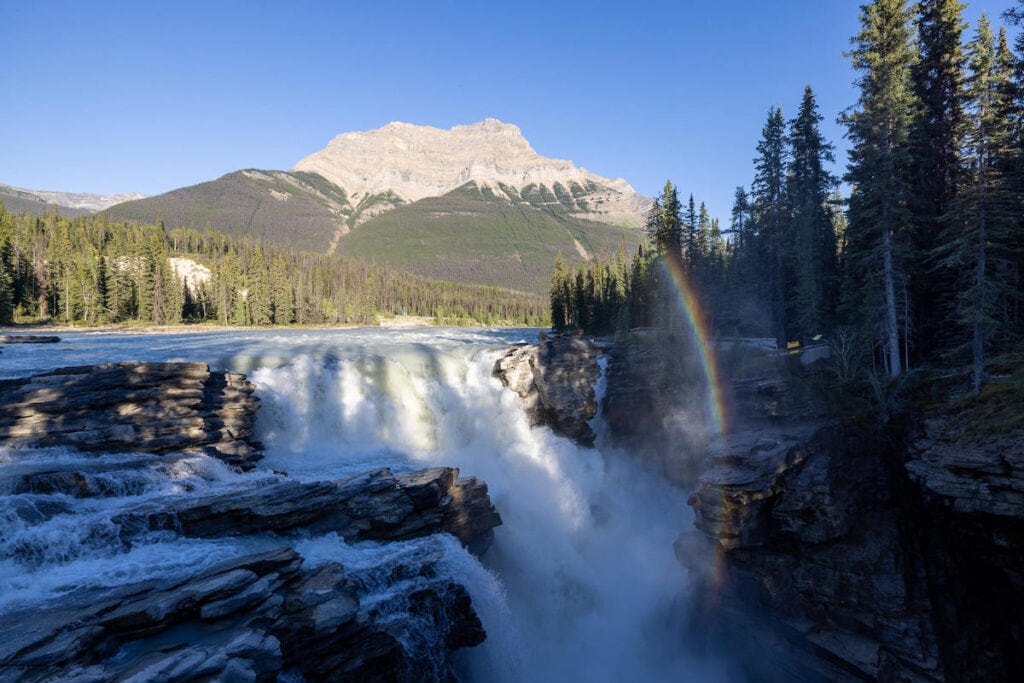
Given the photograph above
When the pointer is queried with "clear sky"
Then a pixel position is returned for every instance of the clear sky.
(145, 96)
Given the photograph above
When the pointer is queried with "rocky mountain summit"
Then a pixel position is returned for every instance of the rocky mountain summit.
(145, 435)
(407, 163)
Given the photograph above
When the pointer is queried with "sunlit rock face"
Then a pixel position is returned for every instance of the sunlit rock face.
(556, 379)
(413, 162)
(134, 406)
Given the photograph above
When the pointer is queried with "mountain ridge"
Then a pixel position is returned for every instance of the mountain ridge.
(39, 202)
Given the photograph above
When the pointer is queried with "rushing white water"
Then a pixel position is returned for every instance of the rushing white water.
(580, 584)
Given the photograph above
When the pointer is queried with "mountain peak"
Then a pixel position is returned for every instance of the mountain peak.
(413, 162)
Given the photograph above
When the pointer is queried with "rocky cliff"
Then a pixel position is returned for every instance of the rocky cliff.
(821, 550)
(556, 378)
(133, 406)
(863, 553)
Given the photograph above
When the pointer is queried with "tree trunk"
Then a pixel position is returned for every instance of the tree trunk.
(892, 330)
(978, 343)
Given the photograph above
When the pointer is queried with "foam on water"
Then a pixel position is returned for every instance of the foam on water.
(581, 582)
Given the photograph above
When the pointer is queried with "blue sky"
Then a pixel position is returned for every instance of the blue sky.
(143, 96)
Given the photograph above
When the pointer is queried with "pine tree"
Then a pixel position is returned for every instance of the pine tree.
(703, 235)
(258, 285)
(559, 294)
(740, 224)
(880, 216)
(981, 226)
(664, 224)
(938, 84)
(690, 232)
(771, 216)
(812, 236)
(283, 297)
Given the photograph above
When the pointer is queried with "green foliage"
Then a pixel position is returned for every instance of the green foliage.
(468, 237)
(90, 270)
(811, 238)
(983, 221)
(881, 218)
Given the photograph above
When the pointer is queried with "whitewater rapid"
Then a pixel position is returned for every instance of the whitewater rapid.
(580, 584)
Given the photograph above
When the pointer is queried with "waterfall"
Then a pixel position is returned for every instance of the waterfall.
(580, 584)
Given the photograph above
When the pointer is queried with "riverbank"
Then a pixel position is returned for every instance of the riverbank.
(397, 323)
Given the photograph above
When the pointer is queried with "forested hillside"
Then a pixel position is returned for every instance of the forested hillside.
(474, 235)
(91, 270)
(921, 263)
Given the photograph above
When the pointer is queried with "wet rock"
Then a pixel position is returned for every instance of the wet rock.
(27, 339)
(134, 406)
(244, 619)
(556, 379)
(377, 505)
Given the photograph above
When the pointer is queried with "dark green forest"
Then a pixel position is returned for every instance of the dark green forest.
(921, 263)
(92, 270)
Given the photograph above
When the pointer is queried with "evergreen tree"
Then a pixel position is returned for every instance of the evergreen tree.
(258, 288)
(771, 217)
(664, 223)
(690, 228)
(812, 236)
(978, 241)
(935, 139)
(740, 224)
(283, 300)
(703, 236)
(559, 294)
(880, 215)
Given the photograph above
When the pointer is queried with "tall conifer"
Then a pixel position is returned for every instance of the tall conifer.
(881, 218)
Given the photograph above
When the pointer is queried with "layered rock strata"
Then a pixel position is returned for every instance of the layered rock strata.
(844, 555)
(377, 505)
(247, 618)
(134, 406)
(253, 616)
(556, 378)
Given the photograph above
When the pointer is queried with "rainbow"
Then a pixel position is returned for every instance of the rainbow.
(694, 315)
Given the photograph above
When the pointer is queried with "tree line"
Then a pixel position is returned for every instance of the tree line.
(922, 262)
(91, 270)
